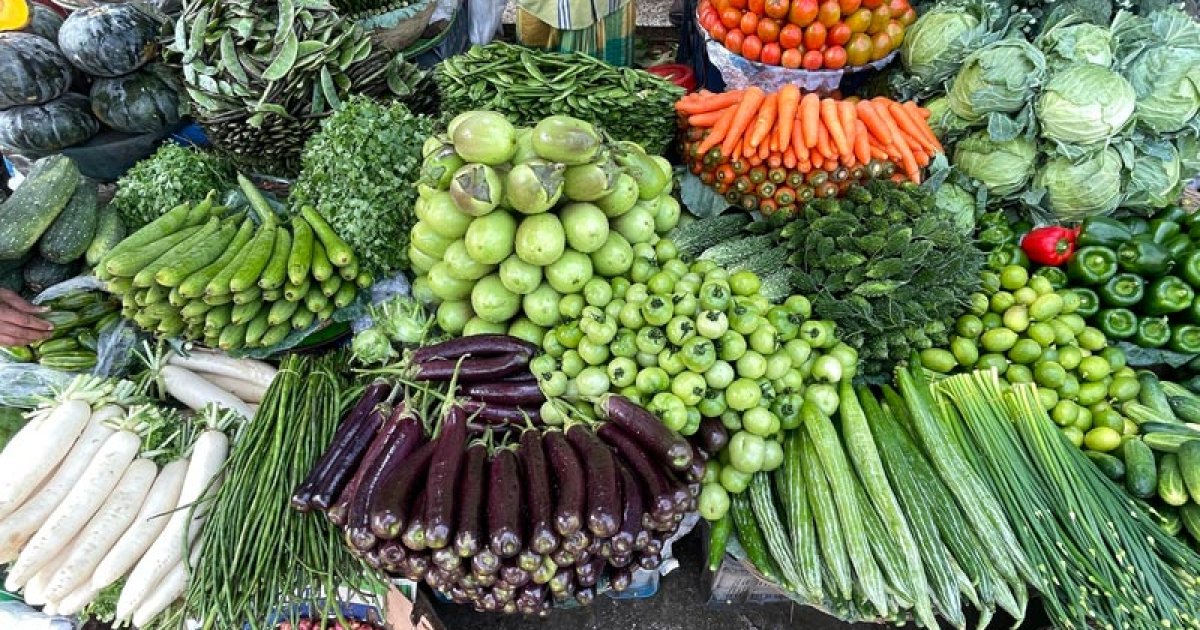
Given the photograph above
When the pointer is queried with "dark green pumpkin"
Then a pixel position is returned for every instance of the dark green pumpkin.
(110, 40)
(33, 70)
(43, 21)
(144, 101)
(49, 127)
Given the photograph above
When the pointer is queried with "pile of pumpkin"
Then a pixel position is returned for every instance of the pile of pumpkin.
(49, 63)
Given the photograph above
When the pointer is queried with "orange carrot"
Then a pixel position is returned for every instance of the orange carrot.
(709, 103)
(810, 118)
(789, 158)
(707, 119)
(804, 166)
(918, 120)
(907, 160)
(921, 156)
(765, 120)
(755, 160)
(870, 117)
(772, 143)
(848, 160)
(764, 151)
(797, 143)
(789, 103)
(751, 101)
(823, 142)
(847, 116)
(737, 150)
(775, 160)
(829, 116)
(719, 133)
(909, 126)
(862, 143)
(878, 153)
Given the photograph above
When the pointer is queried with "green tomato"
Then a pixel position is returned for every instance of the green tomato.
(551, 414)
(446, 287)
(787, 409)
(759, 421)
(818, 333)
(657, 310)
(714, 296)
(752, 365)
(624, 344)
(492, 302)
(631, 315)
(686, 304)
(597, 292)
(439, 211)
(620, 286)
(785, 322)
(689, 387)
(651, 340)
(637, 225)
(614, 257)
(489, 239)
(661, 283)
(698, 354)
(743, 394)
(571, 305)
(452, 316)
(422, 291)
(652, 380)
(765, 339)
(541, 305)
(712, 324)
(641, 270)
(668, 214)
(713, 404)
(772, 455)
(713, 502)
(671, 361)
(669, 409)
(543, 365)
(719, 375)
(745, 283)
(792, 382)
(425, 240)
(592, 381)
(799, 305)
(593, 353)
(731, 346)
(732, 421)
(798, 351)
(554, 384)
(680, 329)
(676, 268)
(479, 326)
(569, 334)
(746, 452)
(823, 397)
(572, 363)
(778, 365)
(519, 276)
(734, 480)
(552, 346)
(744, 319)
(827, 368)
(665, 249)
(570, 272)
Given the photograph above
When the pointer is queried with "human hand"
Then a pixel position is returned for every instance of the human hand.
(19, 324)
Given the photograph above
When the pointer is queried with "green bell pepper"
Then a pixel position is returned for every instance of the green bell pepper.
(1056, 276)
(1173, 213)
(1144, 257)
(1089, 302)
(1123, 290)
(994, 236)
(991, 219)
(1102, 231)
(1189, 268)
(1168, 294)
(1117, 323)
(1092, 265)
(1185, 338)
(1137, 225)
(1162, 230)
(1152, 332)
(1179, 247)
(1005, 255)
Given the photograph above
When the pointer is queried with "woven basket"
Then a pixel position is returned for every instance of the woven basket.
(399, 29)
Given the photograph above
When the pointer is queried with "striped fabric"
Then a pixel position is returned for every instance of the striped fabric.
(609, 37)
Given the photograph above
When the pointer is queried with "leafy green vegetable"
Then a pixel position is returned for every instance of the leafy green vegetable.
(360, 172)
(1076, 190)
(936, 44)
(1161, 58)
(1084, 105)
(173, 175)
(1068, 44)
(1004, 168)
(400, 320)
(997, 78)
(11, 421)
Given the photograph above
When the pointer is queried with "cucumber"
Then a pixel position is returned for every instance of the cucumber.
(40, 274)
(16, 354)
(321, 267)
(1189, 466)
(1190, 515)
(220, 284)
(1112, 467)
(35, 204)
(281, 312)
(1171, 489)
(232, 337)
(127, 263)
(57, 346)
(195, 284)
(1153, 396)
(345, 295)
(300, 258)
(110, 229)
(751, 538)
(275, 273)
(302, 318)
(1169, 521)
(67, 239)
(218, 318)
(1141, 477)
(80, 361)
(336, 249)
(146, 276)
(1185, 406)
(257, 327)
(169, 223)
(243, 313)
(255, 262)
(331, 286)
(198, 253)
(1170, 428)
(252, 295)
(275, 336)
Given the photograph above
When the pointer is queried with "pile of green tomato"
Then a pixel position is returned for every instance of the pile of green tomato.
(705, 352)
(1031, 333)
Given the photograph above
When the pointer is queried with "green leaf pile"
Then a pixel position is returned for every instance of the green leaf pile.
(173, 175)
(360, 173)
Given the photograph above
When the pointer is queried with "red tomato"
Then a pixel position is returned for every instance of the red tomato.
(883, 45)
(737, 4)
(898, 6)
(720, 5)
(752, 48)
(768, 30)
(731, 18)
(813, 60)
(803, 12)
(859, 21)
(733, 41)
(849, 6)
(859, 49)
(771, 54)
(814, 36)
(756, 7)
(791, 36)
(777, 9)
(908, 17)
(879, 19)
(839, 34)
(718, 31)
(830, 13)
(895, 30)
(791, 58)
(835, 57)
(749, 23)
(872, 4)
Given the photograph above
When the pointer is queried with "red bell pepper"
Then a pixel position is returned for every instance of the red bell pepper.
(1052, 245)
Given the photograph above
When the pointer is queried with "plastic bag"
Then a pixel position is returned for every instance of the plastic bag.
(27, 384)
(485, 18)
(115, 343)
(397, 285)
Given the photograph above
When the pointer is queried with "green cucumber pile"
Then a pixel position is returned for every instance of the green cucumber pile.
(79, 318)
(202, 273)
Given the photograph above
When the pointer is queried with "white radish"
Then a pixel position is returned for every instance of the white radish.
(192, 390)
(146, 527)
(248, 391)
(37, 448)
(105, 528)
(210, 362)
(80, 504)
(77, 600)
(17, 528)
(208, 457)
(171, 588)
(34, 591)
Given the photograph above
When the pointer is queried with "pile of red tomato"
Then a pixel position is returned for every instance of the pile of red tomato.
(808, 34)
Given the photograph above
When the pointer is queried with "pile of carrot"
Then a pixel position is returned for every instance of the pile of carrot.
(809, 133)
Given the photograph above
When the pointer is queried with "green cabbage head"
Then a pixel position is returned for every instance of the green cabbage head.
(942, 120)
(1078, 43)
(1076, 190)
(1085, 104)
(1167, 82)
(957, 202)
(937, 42)
(1004, 168)
(999, 77)
(1155, 179)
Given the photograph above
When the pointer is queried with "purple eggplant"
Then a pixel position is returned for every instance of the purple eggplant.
(505, 393)
(604, 494)
(647, 431)
(568, 472)
(468, 523)
(625, 540)
(497, 415)
(442, 481)
(414, 533)
(400, 483)
(341, 458)
(539, 499)
(408, 438)
(659, 491)
(340, 510)
(474, 345)
(504, 504)
(471, 370)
